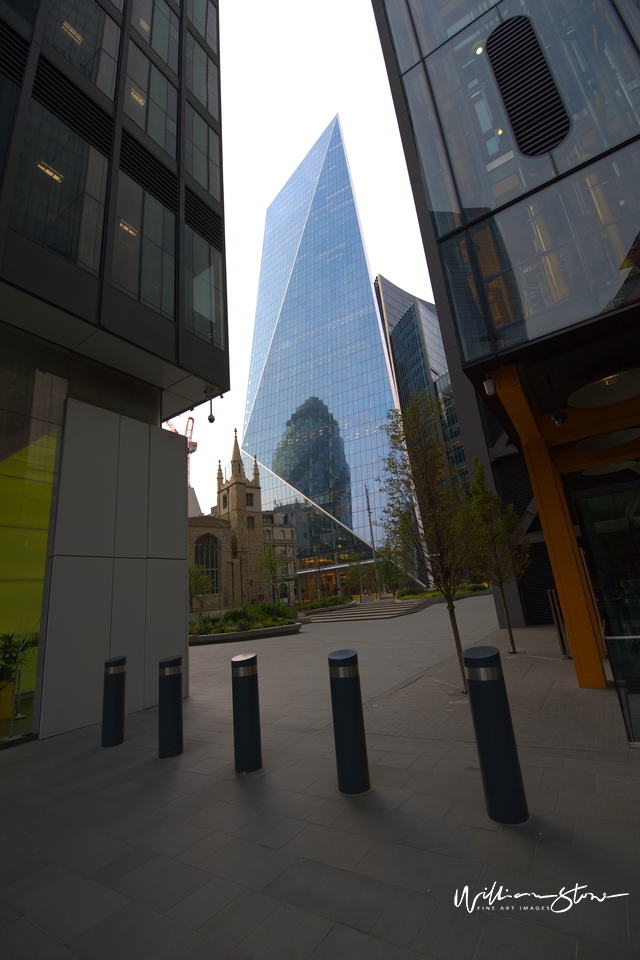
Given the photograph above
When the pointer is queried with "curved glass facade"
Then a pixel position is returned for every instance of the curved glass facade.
(320, 382)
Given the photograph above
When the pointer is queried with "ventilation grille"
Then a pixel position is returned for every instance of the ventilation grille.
(57, 93)
(534, 106)
(14, 51)
(145, 169)
(203, 219)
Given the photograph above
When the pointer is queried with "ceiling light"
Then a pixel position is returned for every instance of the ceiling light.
(609, 468)
(145, 26)
(75, 36)
(128, 228)
(611, 388)
(136, 96)
(50, 172)
(479, 51)
(500, 132)
(606, 440)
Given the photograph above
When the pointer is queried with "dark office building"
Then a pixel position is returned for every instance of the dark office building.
(521, 129)
(112, 319)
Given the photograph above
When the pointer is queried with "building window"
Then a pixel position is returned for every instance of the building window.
(203, 291)
(156, 22)
(251, 523)
(202, 152)
(203, 15)
(60, 190)
(144, 249)
(292, 534)
(88, 38)
(249, 499)
(224, 503)
(267, 534)
(282, 534)
(206, 556)
(151, 101)
(202, 76)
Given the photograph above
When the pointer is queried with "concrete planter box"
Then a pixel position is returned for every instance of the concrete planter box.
(283, 631)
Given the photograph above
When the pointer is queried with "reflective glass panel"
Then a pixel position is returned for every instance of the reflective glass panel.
(202, 76)
(402, 33)
(158, 24)
(144, 248)
(630, 13)
(88, 38)
(438, 20)
(151, 101)
(464, 298)
(487, 166)
(203, 288)
(9, 93)
(596, 68)
(569, 253)
(202, 151)
(203, 15)
(60, 190)
(26, 8)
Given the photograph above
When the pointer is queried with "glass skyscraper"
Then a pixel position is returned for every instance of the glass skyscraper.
(320, 383)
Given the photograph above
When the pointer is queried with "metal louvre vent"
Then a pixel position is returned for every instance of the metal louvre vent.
(146, 170)
(59, 94)
(534, 106)
(203, 219)
(14, 51)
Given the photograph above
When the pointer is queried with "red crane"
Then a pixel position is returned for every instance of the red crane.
(192, 446)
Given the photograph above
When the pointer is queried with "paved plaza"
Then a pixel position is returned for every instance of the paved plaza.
(115, 855)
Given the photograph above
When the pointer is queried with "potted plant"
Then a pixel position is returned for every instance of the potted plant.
(13, 655)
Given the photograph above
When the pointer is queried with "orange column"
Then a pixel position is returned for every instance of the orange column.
(566, 563)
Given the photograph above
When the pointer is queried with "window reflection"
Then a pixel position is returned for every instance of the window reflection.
(464, 298)
(438, 20)
(151, 101)
(630, 12)
(156, 22)
(144, 247)
(202, 152)
(60, 190)
(202, 76)
(88, 38)
(204, 290)
(404, 39)
(203, 15)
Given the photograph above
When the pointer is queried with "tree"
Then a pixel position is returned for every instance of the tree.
(359, 574)
(199, 586)
(427, 518)
(503, 549)
(270, 565)
(390, 572)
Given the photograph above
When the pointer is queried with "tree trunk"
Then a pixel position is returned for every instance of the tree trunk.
(456, 637)
(507, 618)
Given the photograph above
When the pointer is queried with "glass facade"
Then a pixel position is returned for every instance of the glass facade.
(202, 152)
(202, 77)
(88, 38)
(156, 22)
(31, 417)
(144, 247)
(203, 288)
(320, 381)
(60, 190)
(529, 245)
(151, 101)
(203, 16)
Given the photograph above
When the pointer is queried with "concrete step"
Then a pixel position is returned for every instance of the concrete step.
(378, 610)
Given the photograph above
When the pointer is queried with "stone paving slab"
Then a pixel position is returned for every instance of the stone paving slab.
(113, 854)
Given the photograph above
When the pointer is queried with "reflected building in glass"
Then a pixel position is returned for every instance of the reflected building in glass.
(320, 382)
(520, 122)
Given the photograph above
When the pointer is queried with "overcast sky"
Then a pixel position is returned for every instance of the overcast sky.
(287, 68)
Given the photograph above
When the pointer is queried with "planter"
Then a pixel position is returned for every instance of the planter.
(6, 701)
(285, 630)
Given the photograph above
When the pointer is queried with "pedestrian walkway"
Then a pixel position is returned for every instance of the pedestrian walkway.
(370, 609)
(114, 855)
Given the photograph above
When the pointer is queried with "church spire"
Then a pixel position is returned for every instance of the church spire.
(220, 476)
(236, 458)
(256, 471)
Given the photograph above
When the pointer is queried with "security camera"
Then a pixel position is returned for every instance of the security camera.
(559, 418)
(489, 386)
(211, 418)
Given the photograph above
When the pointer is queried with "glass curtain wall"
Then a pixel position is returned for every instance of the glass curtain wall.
(151, 101)
(157, 23)
(88, 38)
(203, 288)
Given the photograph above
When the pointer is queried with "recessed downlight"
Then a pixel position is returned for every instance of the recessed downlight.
(609, 468)
(606, 440)
(610, 388)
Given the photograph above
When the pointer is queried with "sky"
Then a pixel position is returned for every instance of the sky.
(287, 68)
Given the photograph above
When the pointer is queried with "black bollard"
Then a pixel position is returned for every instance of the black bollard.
(497, 751)
(348, 722)
(170, 708)
(113, 702)
(247, 745)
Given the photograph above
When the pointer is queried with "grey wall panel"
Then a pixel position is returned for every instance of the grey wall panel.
(85, 518)
(133, 489)
(167, 495)
(166, 629)
(76, 643)
(128, 610)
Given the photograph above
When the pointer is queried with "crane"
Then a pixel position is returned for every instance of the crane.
(192, 446)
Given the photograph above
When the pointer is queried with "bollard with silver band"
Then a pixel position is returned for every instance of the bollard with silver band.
(497, 751)
(113, 701)
(170, 708)
(247, 744)
(348, 722)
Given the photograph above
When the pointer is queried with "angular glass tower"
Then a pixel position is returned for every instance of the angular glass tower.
(320, 383)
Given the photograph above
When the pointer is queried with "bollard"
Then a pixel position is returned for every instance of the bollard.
(348, 722)
(247, 746)
(497, 751)
(170, 708)
(113, 702)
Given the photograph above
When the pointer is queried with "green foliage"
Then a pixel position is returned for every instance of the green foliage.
(390, 572)
(269, 564)
(253, 616)
(410, 592)
(335, 601)
(199, 586)
(359, 574)
(13, 654)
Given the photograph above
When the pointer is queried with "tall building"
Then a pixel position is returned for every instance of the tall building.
(320, 382)
(521, 129)
(112, 319)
